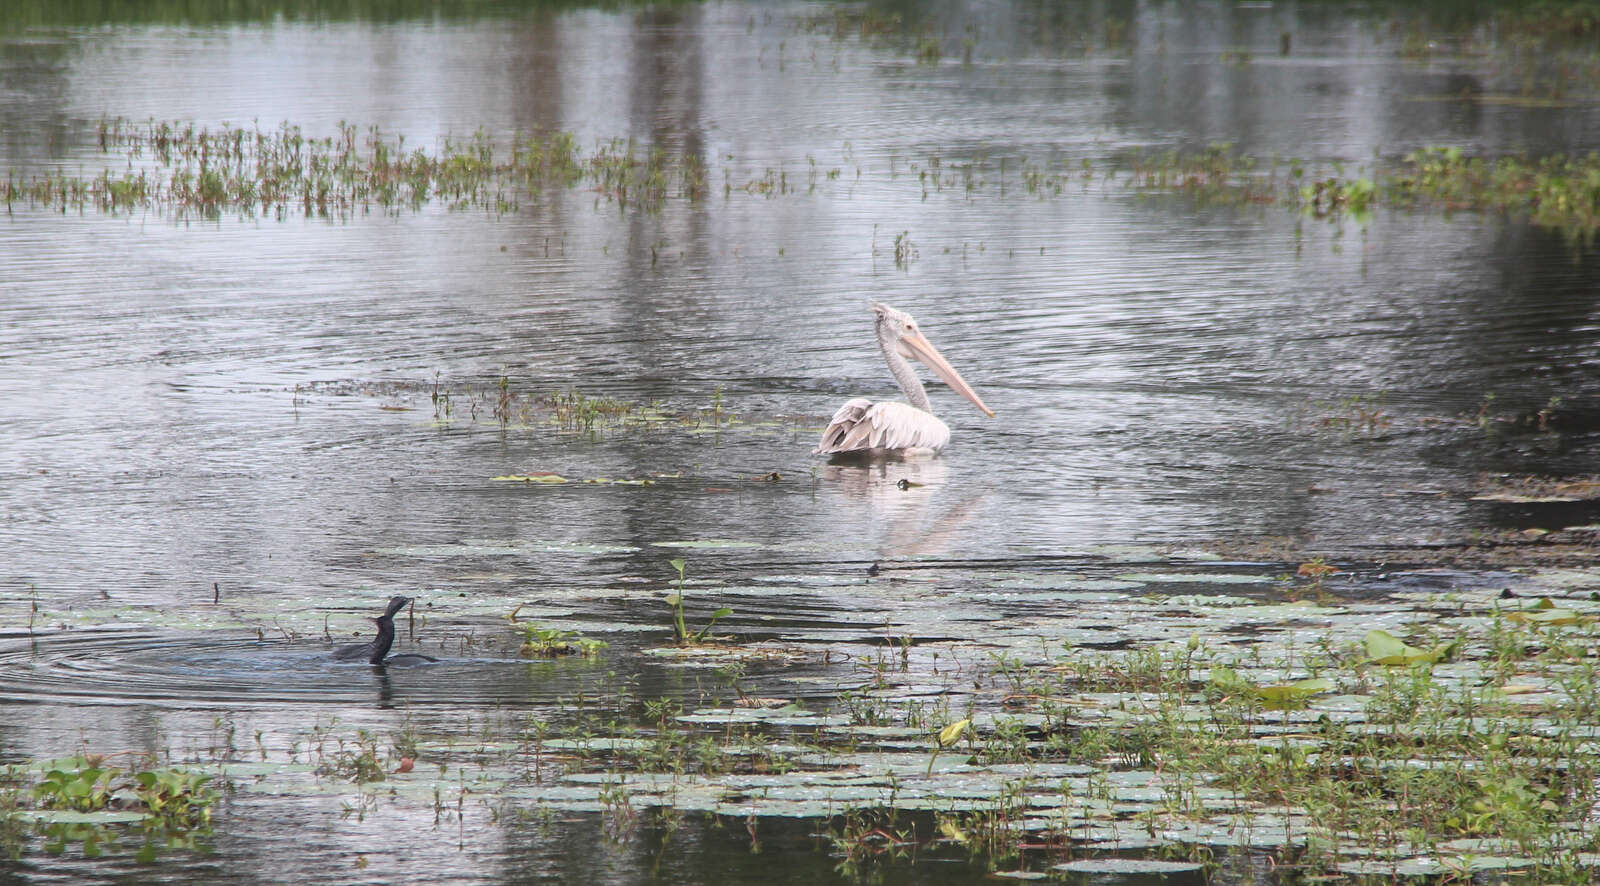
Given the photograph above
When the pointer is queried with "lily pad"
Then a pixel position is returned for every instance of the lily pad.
(1547, 614)
(712, 543)
(1126, 866)
(1386, 649)
(73, 816)
(1295, 692)
(1214, 578)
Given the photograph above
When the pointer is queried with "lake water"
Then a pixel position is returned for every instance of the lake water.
(243, 409)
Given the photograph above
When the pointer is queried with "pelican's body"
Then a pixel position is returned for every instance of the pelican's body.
(864, 426)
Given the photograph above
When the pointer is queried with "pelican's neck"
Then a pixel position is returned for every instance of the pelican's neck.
(900, 367)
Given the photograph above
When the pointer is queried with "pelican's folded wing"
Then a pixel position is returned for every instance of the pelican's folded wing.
(863, 424)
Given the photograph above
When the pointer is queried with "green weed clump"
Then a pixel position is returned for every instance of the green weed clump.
(187, 170)
(85, 784)
(1430, 766)
(86, 801)
(545, 642)
(1556, 192)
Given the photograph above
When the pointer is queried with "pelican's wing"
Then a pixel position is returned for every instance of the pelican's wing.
(863, 424)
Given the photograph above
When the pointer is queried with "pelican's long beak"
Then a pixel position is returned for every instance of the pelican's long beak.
(917, 347)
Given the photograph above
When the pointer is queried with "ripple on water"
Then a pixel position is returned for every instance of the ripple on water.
(141, 668)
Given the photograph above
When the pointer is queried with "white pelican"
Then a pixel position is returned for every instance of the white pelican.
(864, 426)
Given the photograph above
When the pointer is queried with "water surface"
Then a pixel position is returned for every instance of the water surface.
(243, 409)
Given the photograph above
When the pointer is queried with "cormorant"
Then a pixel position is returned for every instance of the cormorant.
(375, 649)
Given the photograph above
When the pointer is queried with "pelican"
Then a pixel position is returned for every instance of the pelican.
(861, 425)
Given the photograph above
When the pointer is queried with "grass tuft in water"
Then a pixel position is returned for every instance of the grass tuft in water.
(189, 170)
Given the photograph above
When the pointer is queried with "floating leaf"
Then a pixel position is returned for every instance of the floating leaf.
(1219, 578)
(1296, 691)
(1274, 695)
(73, 816)
(706, 543)
(1386, 649)
(1547, 614)
(1521, 689)
(1126, 866)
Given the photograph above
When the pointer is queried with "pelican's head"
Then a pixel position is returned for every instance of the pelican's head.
(900, 329)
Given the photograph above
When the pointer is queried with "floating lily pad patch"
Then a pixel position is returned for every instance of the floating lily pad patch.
(1126, 866)
(597, 743)
(1122, 840)
(1547, 614)
(708, 544)
(1048, 582)
(1201, 578)
(816, 580)
(73, 816)
(503, 548)
(774, 717)
(1385, 649)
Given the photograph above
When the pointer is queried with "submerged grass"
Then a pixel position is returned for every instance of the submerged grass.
(569, 410)
(185, 170)
(572, 411)
(190, 170)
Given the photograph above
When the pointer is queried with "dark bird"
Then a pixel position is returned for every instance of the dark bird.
(374, 650)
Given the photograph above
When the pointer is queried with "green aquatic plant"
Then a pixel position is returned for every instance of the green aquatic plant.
(189, 170)
(85, 784)
(84, 802)
(176, 795)
(905, 251)
(680, 630)
(1334, 197)
(543, 642)
(1278, 696)
(355, 760)
(1384, 648)
(1557, 192)
(78, 786)
(192, 170)
(574, 410)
